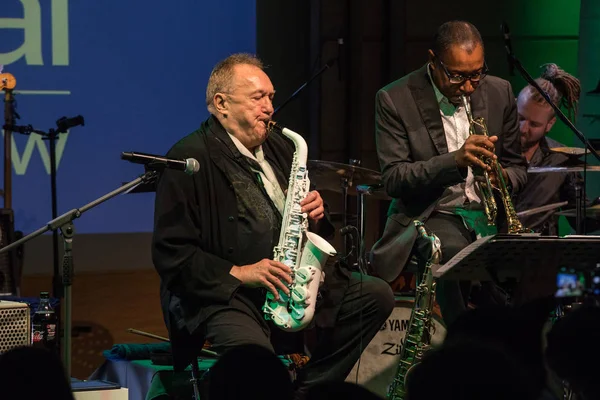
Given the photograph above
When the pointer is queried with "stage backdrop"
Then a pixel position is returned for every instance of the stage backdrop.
(135, 70)
(588, 121)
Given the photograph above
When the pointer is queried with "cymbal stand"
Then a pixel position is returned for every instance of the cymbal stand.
(363, 191)
(345, 183)
(579, 209)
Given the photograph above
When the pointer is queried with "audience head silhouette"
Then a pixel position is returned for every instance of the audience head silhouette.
(573, 350)
(339, 390)
(33, 373)
(475, 371)
(249, 371)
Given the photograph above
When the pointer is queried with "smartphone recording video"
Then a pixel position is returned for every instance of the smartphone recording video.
(595, 286)
(570, 283)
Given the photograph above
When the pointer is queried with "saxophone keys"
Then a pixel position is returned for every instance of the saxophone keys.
(299, 294)
(297, 313)
(303, 275)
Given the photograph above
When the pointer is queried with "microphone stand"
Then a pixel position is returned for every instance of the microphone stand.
(64, 223)
(325, 67)
(52, 136)
(579, 208)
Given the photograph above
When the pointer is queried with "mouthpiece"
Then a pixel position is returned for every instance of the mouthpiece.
(272, 125)
(465, 102)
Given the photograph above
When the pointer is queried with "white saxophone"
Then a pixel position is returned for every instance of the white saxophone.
(304, 252)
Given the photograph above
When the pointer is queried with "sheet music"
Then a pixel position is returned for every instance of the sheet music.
(463, 253)
(582, 236)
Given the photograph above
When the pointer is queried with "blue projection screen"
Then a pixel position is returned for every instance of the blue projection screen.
(135, 70)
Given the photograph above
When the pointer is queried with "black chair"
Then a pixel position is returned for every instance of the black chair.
(185, 348)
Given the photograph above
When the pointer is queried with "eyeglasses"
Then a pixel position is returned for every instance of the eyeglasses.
(458, 79)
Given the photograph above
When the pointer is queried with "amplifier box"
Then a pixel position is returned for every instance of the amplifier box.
(15, 325)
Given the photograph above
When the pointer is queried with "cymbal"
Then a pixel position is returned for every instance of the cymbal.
(331, 176)
(574, 168)
(547, 207)
(590, 212)
(570, 151)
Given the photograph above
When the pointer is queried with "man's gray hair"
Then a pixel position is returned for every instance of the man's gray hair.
(221, 77)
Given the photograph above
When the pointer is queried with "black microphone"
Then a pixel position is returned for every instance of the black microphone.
(65, 123)
(340, 57)
(190, 165)
(508, 47)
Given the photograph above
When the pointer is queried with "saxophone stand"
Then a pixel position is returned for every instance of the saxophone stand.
(581, 193)
(64, 223)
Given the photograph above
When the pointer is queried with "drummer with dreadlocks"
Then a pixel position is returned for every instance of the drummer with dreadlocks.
(536, 119)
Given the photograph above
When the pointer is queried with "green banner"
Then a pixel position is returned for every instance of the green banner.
(588, 118)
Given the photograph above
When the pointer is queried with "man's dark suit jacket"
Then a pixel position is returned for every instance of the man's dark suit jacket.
(195, 241)
(414, 158)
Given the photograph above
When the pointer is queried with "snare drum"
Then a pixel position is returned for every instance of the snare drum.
(379, 360)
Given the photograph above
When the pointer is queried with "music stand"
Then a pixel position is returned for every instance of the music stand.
(527, 262)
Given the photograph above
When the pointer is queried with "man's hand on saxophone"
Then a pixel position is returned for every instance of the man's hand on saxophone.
(475, 150)
(313, 206)
(265, 273)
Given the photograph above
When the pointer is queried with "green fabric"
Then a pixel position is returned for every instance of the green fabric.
(136, 351)
(168, 384)
(477, 220)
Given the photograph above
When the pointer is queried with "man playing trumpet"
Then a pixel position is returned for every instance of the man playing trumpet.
(428, 158)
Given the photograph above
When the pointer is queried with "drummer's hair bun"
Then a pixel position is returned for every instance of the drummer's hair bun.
(562, 88)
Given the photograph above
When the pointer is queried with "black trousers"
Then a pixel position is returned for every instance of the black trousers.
(336, 349)
(453, 296)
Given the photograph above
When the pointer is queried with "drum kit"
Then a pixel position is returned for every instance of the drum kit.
(349, 180)
(572, 165)
(377, 366)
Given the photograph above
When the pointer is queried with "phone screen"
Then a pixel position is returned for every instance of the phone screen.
(570, 283)
(595, 286)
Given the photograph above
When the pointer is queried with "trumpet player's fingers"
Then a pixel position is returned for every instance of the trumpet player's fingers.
(477, 162)
(483, 152)
(485, 142)
(281, 270)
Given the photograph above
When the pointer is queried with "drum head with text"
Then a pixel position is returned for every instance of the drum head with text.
(379, 361)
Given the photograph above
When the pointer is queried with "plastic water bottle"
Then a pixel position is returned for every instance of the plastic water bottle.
(44, 325)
